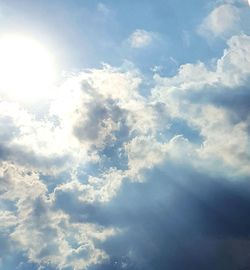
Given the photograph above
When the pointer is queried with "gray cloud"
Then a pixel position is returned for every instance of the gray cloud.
(181, 218)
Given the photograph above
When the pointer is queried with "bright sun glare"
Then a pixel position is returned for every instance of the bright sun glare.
(27, 70)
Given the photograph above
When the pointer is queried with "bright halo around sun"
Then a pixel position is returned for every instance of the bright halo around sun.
(27, 69)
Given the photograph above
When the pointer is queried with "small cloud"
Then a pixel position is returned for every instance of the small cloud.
(222, 21)
(141, 38)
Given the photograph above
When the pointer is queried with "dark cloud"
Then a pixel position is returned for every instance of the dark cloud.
(236, 101)
(23, 156)
(176, 220)
(96, 120)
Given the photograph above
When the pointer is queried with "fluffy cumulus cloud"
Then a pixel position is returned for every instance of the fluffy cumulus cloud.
(199, 101)
(107, 177)
(35, 227)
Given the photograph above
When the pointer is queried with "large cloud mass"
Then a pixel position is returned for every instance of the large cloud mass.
(103, 153)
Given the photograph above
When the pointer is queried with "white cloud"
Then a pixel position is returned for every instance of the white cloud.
(141, 38)
(233, 67)
(190, 98)
(144, 153)
(46, 235)
(99, 103)
(223, 20)
(7, 219)
(231, 70)
(18, 183)
(52, 239)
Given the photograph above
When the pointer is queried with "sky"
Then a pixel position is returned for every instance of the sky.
(124, 135)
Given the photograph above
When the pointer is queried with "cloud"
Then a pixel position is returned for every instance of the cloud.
(7, 219)
(228, 18)
(141, 38)
(104, 161)
(178, 217)
(108, 175)
(46, 235)
(187, 97)
(144, 153)
(221, 22)
(79, 126)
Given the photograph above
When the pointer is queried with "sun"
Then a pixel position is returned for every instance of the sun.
(27, 68)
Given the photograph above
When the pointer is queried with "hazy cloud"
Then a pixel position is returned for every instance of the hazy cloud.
(221, 22)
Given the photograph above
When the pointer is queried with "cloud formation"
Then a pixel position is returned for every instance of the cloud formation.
(106, 176)
(192, 99)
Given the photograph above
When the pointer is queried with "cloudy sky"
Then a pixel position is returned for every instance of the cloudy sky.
(124, 135)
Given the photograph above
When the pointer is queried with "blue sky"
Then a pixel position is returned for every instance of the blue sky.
(85, 33)
(124, 135)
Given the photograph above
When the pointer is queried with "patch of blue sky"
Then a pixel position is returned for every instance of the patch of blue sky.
(180, 127)
(52, 181)
(8, 205)
(84, 35)
(17, 261)
(114, 157)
